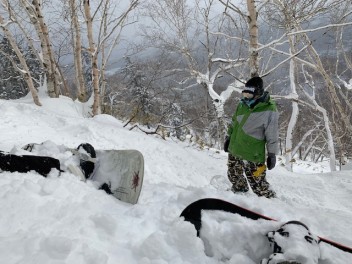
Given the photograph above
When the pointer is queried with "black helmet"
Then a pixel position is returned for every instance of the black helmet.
(255, 85)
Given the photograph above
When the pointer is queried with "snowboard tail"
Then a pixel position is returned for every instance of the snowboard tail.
(192, 214)
(122, 171)
(25, 163)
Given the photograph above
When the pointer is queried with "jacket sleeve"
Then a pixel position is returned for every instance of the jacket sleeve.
(229, 129)
(272, 133)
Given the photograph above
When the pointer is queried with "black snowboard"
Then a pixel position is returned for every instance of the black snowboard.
(25, 163)
(192, 214)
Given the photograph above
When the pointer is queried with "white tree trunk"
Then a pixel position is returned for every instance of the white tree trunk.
(25, 71)
(253, 38)
(77, 46)
(326, 123)
(37, 19)
(93, 54)
(293, 119)
(344, 123)
(330, 139)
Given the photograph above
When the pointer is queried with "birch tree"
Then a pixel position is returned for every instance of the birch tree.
(23, 67)
(250, 14)
(98, 41)
(74, 12)
(253, 38)
(286, 14)
(34, 11)
(341, 121)
(110, 31)
(93, 51)
(309, 81)
(342, 70)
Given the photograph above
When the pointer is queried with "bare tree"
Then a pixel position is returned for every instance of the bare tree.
(285, 15)
(251, 16)
(23, 68)
(253, 38)
(196, 32)
(98, 45)
(77, 48)
(110, 31)
(341, 67)
(309, 80)
(93, 51)
(291, 15)
(34, 12)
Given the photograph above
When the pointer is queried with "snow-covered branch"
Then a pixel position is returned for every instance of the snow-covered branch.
(319, 28)
(287, 59)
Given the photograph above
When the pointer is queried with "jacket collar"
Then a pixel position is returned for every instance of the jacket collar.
(265, 98)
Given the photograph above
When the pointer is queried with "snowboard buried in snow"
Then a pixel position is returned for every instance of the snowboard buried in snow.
(118, 172)
(122, 171)
(193, 214)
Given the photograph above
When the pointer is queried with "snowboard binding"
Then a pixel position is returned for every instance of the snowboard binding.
(290, 242)
(87, 158)
(87, 161)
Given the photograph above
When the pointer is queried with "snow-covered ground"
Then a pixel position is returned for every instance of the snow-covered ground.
(64, 220)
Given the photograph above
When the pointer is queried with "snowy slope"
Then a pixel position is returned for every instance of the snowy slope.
(64, 220)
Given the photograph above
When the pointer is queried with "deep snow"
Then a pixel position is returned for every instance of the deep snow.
(64, 220)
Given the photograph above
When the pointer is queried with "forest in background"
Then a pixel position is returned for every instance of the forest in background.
(175, 67)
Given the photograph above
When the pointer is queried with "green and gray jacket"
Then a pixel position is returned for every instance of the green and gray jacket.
(254, 127)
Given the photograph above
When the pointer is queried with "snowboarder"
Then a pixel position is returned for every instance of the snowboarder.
(253, 130)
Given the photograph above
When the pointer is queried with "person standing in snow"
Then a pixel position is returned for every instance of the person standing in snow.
(252, 138)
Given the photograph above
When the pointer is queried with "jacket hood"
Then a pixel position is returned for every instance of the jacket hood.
(264, 98)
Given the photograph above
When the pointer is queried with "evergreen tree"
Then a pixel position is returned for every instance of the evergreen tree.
(35, 68)
(138, 86)
(175, 118)
(12, 84)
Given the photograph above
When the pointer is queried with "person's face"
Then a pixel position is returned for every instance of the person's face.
(247, 95)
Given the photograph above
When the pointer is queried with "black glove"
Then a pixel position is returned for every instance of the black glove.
(271, 161)
(226, 144)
